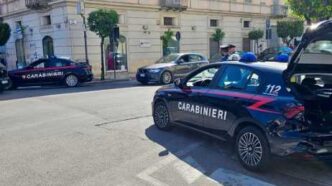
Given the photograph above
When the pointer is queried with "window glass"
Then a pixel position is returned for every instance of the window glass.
(320, 47)
(38, 64)
(184, 59)
(195, 58)
(57, 63)
(203, 78)
(235, 78)
(253, 83)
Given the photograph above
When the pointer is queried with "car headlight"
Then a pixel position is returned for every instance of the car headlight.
(154, 70)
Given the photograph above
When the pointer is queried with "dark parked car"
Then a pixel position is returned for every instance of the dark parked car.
(3, 78)
(262, 108)
(166, 69)
(51, 71)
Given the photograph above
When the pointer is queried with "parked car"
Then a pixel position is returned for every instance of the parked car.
(166, 69)
(271, 54)
(261, 108)
(51, 71)
(4, 80)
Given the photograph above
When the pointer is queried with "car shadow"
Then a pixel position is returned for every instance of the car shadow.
(214, 159)
(37, 91)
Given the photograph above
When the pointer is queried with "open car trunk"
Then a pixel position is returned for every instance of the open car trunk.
(309, 75)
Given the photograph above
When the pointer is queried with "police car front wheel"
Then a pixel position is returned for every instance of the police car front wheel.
(71, 81)
(161, 116)
(252, 149)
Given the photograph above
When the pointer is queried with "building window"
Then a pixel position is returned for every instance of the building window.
(18, 24)
(46, 20)
(246, 24)
(117, 60)
(214, 23)
(121, 19)
(48, 48)
(169, 21)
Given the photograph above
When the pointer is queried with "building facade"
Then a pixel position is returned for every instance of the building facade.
(42, 28)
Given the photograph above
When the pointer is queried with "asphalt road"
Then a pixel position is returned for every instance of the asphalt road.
(103, 134)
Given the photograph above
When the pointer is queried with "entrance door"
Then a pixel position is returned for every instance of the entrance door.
(214, 48)
(246, 44)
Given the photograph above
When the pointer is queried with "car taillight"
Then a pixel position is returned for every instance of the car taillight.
(293, 112)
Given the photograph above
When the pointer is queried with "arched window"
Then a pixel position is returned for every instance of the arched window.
(48, 48)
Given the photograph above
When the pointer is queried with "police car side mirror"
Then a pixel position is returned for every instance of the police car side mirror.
(178, 83)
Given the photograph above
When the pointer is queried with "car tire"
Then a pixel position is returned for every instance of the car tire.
(11, 85)
(252, 149)
(161, 116)
(166, 78)
(71, 80)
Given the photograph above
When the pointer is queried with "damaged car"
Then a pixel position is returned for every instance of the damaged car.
(262, 109)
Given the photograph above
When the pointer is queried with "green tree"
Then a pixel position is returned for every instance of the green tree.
(4, 33)
(218, 36)
(256, 35)
(288, 30)
(311, 10)
(166, 38)
(101, 22)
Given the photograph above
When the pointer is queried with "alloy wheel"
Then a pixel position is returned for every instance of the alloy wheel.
(167, 77)
(250, 149)
(71, 81)
(161, 117)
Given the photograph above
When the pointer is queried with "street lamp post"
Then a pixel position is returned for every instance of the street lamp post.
(81, 11)
(85, 40)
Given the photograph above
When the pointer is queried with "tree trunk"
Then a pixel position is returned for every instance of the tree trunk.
(102, 75)
(308, 20)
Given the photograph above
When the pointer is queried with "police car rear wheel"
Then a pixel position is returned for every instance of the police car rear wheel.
(71, 81)
(252, 149)
(166, 77)
(161, 116)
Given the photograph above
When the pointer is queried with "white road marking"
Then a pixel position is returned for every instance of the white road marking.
(228, 177)
(189, 169)
(146, 174)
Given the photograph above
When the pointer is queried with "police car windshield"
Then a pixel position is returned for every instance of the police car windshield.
(168, 59)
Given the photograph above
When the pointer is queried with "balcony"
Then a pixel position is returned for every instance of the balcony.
(174, 4)
(279, 10)
(37, 4)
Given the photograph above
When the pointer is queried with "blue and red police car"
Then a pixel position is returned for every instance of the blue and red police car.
(262, 108)
(51, 71)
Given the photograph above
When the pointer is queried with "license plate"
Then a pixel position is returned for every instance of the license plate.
(4, 81)
(142, 75)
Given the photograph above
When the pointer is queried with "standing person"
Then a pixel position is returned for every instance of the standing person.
(229, 53)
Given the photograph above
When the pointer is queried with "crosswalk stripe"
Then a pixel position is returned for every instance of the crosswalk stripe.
(228, 177)
(189, 169)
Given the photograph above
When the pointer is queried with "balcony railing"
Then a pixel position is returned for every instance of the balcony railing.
(279, 10)
(174, 4)
(37, 4)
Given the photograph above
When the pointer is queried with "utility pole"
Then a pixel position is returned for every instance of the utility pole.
(81, 11)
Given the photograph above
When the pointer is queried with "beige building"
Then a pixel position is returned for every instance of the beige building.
(53, 27)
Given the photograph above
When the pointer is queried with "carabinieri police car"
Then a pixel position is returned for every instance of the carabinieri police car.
(262, 108)
(51, 71)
